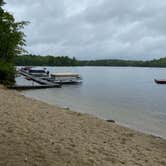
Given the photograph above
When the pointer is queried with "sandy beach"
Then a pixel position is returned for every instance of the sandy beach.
(33, 133)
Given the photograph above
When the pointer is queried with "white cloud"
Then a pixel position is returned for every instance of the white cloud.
(90, 29)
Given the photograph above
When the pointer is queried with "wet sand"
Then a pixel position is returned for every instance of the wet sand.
(33, 133)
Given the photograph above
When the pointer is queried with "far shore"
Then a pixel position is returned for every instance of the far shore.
(34, 133)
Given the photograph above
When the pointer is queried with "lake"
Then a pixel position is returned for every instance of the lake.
(126, 94)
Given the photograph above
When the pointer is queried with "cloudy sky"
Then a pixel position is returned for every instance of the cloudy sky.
(94, 29)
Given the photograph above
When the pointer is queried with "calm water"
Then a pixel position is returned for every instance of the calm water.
(127, 95)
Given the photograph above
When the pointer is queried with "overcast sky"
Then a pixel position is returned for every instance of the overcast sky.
(94, 29)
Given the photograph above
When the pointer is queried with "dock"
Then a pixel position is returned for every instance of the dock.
(43, 83)
(38, 80)
(28, 87)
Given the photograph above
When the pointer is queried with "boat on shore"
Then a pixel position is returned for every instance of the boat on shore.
(160, 81)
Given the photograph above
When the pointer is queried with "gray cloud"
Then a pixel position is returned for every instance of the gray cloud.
(94, 29)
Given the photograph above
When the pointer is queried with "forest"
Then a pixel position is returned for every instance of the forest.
(37, 60)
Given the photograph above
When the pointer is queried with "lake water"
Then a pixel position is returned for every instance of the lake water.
(126, 94)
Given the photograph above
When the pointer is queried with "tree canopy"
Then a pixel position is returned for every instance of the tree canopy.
(37, 60)
(12, 40)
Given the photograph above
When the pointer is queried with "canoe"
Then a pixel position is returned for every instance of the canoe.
(160, 81)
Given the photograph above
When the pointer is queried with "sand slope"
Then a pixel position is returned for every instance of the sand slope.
(33, 133)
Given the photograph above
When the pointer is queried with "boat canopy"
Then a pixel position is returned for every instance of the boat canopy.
(37, 71)
(68, 74)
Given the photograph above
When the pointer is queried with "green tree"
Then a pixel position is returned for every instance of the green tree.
(11, 43)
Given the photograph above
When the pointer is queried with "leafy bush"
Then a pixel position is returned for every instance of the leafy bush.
(7, 73)
(11, 44)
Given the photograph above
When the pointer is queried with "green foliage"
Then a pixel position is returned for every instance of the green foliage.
(7, 73)
(11, 38)
(116, 62)
(11, 42)
(34, 60)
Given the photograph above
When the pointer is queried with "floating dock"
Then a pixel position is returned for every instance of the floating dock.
(37, 79)
(43, 83)
(28, 87)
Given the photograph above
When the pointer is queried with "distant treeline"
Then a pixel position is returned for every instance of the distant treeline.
(36, 60)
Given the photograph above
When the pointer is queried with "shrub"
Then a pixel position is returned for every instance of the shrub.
(7, 73)
(11, 44)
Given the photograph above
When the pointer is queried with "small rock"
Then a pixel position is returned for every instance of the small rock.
(66, 108)
(110, 120)
(26, 159)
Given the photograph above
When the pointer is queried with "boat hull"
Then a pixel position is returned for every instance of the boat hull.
(68, 82)
(160, 81)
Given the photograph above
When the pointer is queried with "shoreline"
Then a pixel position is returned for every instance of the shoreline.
(36, 133)
(144, 131)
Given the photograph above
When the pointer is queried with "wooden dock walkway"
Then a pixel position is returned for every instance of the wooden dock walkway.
(38, 80)
(43, 83)
(28, 87)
